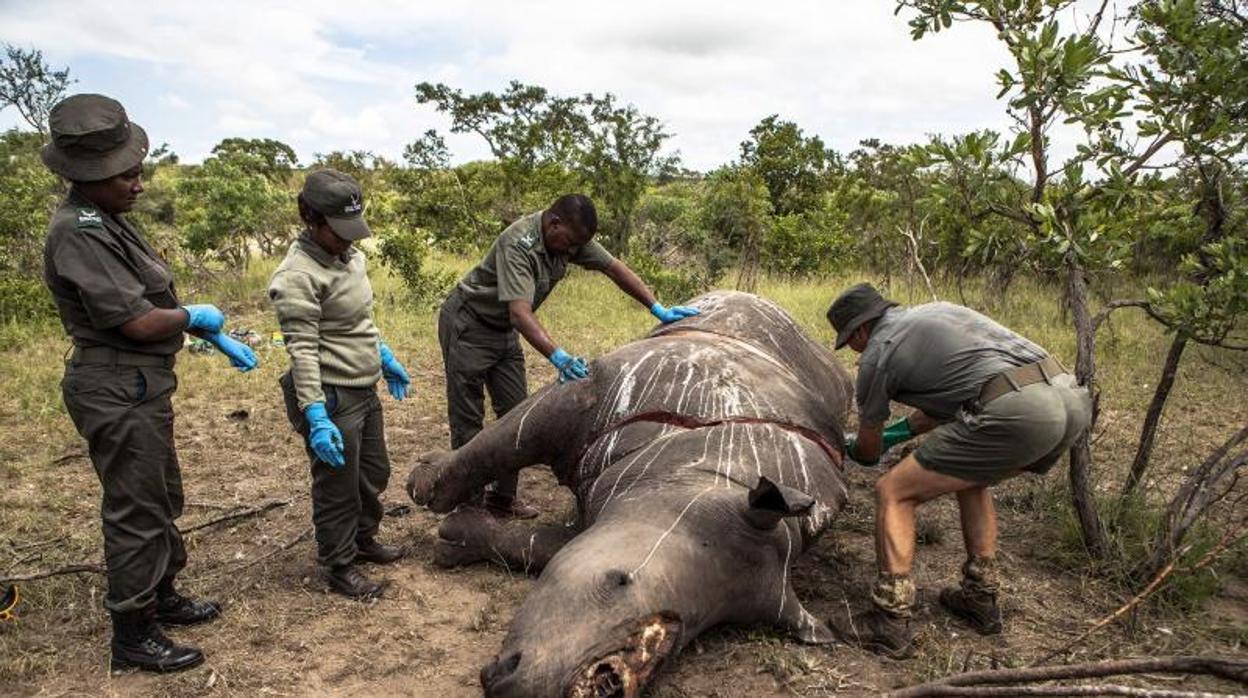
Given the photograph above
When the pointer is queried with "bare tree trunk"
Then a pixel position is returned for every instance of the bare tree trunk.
(1081, 492)
(1152, 418)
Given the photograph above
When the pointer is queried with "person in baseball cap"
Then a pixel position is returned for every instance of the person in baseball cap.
(324, 305)
(338, 197)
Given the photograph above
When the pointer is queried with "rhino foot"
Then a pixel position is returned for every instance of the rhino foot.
(465, 537)
(422, 482)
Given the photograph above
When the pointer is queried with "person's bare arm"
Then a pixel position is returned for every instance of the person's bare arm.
(526, 323)
(870, 443)
(921, 423)
(628, 282)
(155, 325)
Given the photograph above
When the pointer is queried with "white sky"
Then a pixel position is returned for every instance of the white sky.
(325, 75)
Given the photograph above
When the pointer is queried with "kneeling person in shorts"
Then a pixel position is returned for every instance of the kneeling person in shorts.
(996, 405)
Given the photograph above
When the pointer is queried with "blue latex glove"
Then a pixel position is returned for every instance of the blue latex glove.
(323, 436)
(571, 368)
(204, 317)
(241, 356)
(396, 376)
(672, 314)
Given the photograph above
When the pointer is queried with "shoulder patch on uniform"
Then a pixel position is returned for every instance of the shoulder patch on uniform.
(527, 240)
(90, 218)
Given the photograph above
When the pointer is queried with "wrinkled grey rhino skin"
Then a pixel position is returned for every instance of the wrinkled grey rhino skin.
(704, 458)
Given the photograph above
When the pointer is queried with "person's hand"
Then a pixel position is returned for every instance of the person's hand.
(241, 356)
(205, 317)
(571, 368)
(323, 436)
(851, 450)
(672, 314)
(896, 433)
(392, 370)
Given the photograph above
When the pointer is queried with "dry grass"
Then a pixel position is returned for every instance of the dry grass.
(283, 635)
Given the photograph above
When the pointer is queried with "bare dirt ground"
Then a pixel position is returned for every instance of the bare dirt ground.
(283, 634)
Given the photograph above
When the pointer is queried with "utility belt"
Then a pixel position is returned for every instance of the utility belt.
(119, 357)
(1019, 377)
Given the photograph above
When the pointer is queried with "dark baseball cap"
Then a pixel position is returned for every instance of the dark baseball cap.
(858, 304)
(337, 196)
(92, 139)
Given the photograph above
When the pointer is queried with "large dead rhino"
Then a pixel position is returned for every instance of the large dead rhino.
(704, 458)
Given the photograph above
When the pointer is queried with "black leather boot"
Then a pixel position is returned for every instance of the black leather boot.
(369, 550)
(138, 643)
(173, 608)
(350, 582)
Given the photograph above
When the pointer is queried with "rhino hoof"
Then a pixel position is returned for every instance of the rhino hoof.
(464, 538)
(423, 479)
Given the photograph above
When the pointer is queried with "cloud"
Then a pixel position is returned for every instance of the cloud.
(328, 75)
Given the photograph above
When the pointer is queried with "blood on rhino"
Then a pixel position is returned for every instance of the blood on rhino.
(704, 458)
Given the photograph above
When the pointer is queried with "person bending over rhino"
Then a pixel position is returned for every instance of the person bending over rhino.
(478, 322)
(996, 405)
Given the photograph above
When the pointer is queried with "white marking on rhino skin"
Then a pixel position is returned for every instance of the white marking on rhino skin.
(633, 461)
(784, 573)
(669, 530)
(520, 427)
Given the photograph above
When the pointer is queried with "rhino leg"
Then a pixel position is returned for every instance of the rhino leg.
(547, 428)
(470, 535)
(801, 623)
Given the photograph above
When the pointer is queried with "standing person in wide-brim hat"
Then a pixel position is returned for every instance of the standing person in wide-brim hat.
(116, 299)
(324, 305)
(996, 405)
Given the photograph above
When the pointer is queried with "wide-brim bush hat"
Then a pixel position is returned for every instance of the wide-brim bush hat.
(92, 139)
(858, 304)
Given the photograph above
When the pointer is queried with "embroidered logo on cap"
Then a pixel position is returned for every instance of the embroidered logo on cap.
(354, 207)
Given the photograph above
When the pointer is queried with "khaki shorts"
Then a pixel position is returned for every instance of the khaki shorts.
(1026, 429)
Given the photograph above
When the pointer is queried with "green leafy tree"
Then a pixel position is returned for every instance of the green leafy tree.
(30, 193)
(31, 86)
(620, 157)
(736, 209)
(1060, 75)
(239, 198)
(793, 166)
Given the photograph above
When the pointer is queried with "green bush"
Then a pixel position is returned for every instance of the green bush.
(671, 283)
(23, 300)
(407, 253)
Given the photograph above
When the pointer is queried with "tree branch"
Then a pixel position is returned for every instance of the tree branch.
(1222, 667)
(245, 513)
(93, 568)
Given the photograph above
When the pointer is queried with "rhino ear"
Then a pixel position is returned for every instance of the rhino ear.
(769, 503)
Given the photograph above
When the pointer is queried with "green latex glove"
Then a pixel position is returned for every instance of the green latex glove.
(896, 433)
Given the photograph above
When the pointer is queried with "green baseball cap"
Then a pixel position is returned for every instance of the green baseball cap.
(858, 304)
(337, 196)
(92, 139)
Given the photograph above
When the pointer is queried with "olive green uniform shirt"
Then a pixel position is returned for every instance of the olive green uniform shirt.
(102, 273)
(324, 306)
(519, 267)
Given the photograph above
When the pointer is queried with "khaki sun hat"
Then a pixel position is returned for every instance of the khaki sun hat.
(858, 304)
(92, 139)
(337, 196)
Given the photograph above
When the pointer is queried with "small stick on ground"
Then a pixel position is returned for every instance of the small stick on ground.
(242, 514)
(37, 543)
(1222, 667)
(93, 568)
(1230, 538)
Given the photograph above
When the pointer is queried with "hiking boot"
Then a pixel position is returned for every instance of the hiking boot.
(502, 507)
(350, 582)
(369, 550)
(979, 610)
(173, 608)
(876, 630)
(138, 643)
